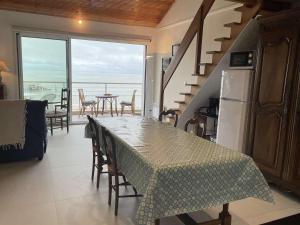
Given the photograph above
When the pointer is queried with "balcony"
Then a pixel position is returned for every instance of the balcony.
(51, 91)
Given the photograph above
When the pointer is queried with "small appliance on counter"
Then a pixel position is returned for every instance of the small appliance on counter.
(210, 112)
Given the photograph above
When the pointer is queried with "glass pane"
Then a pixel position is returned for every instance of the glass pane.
(44, 65)
(107, 68)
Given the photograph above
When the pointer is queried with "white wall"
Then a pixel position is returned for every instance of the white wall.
(172, 29)
(246, 41)
(10, 20)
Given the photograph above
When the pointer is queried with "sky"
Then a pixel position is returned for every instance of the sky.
(96, 61)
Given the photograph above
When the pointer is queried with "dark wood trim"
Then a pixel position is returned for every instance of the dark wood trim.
(286, 221)
(224, 218)
(199, 45)
(162, 93)
(282, 17)
(187, 39)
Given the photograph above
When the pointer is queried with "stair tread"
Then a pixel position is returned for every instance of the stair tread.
(176, 109)
(223, 39)
(214, 52)
(198, 75)
(180, 102)
(204, 64)
(232, 24)
(242, 8)
(185, 93)
(195, 85)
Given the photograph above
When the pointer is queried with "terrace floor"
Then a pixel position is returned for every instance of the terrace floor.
(58, 191)
(76, 119)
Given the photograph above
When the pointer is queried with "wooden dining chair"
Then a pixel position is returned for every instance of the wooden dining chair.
(83, 103)
(61, 112)
(129, 104)
(98, 156)
(114, 171)
(197, 125)
(169, 113)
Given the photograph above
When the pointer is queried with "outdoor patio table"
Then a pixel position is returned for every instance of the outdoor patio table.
(178, 172)
(110, 99)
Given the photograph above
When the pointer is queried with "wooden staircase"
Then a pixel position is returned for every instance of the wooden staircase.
(202, 70)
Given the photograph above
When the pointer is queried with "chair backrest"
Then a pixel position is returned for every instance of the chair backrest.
(198, 126)
(95, 135)
(81, 96)
(133, 97)
(169, 112)
(110, 149)
(65, 99)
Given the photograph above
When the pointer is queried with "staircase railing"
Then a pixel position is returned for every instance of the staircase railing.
(196, 27)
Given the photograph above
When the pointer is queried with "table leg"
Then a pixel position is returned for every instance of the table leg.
(103, 102)
(116, 106)
(224, 216)
(111, 110)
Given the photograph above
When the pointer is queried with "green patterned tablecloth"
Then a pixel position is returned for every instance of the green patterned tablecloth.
(178, 172)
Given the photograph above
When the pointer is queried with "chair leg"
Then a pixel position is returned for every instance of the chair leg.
(67, 124)
(116, 195)
(51, 126)
(93, 168)
(122, 110)
(99, 169)
(80, 111)
(109, 188)
(125, 181)
(61, 123)
(134, 190)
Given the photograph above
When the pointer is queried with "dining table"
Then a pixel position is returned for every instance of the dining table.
(178, 172)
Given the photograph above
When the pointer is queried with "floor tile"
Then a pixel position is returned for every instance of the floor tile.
(58, 191)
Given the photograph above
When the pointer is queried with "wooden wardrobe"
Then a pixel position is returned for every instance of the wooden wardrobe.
(274, 132)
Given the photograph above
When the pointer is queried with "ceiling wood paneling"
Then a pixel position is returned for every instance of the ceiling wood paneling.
(130, 12)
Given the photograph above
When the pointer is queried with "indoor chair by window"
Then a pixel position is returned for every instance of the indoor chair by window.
(83, 104)
(129, 104)
(61, 112)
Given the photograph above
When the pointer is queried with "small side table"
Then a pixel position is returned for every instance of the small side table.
(110, 99)
(2, 91)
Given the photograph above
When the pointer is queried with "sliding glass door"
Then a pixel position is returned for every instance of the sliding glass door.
(107, 68)
(43, 67)
(97, 68)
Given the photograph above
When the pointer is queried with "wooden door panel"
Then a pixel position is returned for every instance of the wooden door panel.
(296, 147)
(293, 163)
(266, 148)
(274, 69)
(271, 98)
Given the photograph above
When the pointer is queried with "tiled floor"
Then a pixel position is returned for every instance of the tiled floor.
(58, 191)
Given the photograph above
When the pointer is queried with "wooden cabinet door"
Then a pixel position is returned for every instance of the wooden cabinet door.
(271, 99)
(292, 162)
